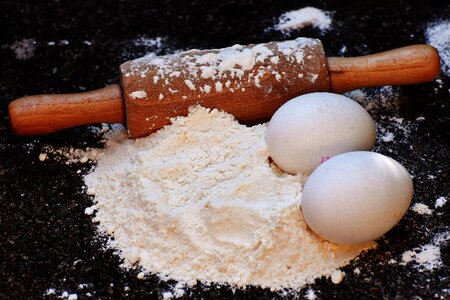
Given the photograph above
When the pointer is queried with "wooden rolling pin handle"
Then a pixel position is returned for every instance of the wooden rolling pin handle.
(41, 114)
(406, 65)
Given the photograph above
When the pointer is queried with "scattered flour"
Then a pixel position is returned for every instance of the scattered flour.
(387, 137)
(24, 49)
(421, 209)
(383, 104)
(72, 297)
(440, 202)
(50, 291)
(145, 46)
(70, 155)
(426, 257)
(198, 200)
(138, 95)
(392, 261)
(156, 42)
(89, 211)
(337, 276)
(374, 99)
(310, 294)
(141, 275)
(42, 156)
(231, 69)
(308, 16)
(64, 294)
(176, 292)
(438, 35)
(394, 130)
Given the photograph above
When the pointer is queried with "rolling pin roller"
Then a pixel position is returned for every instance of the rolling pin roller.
(251, 82)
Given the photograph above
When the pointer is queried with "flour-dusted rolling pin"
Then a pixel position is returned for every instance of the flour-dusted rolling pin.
(251, 82)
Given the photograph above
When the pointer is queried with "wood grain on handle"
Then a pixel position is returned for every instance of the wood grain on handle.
(41, 114)
(407, 65)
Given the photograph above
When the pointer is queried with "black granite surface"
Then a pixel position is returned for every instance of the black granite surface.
(46, 240)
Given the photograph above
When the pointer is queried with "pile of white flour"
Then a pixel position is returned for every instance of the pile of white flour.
(199, 200)
(307, 16)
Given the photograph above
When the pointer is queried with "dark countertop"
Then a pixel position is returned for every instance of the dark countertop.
(46, 239)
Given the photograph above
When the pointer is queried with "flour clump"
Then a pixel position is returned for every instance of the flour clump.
(307, 16)
(199, 200)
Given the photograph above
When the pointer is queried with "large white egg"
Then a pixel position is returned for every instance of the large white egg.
(311, 128)
(356, 197)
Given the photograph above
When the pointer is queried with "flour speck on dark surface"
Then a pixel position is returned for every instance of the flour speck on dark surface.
(51, 249)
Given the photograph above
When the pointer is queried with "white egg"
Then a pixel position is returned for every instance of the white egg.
(356, 197)
(311, 128)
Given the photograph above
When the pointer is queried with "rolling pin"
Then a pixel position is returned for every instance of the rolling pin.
(251, 82)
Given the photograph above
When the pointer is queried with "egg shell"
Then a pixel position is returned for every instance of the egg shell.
(311, 128)
(356, 197)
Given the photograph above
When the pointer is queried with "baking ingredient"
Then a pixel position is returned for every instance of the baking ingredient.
(70, 155)
(307, 16)
(356, 197)
(24, 49)
(378, 100)
(138, 95)
(421, 209)
(440, 202)
(311, 128)
(387, 137)
(148, 46)
(310, 294)
(64, 295)
(427, 257)
(337, 276)
(438, 35)
(177, 291)
(199, 200)
(151, 43)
